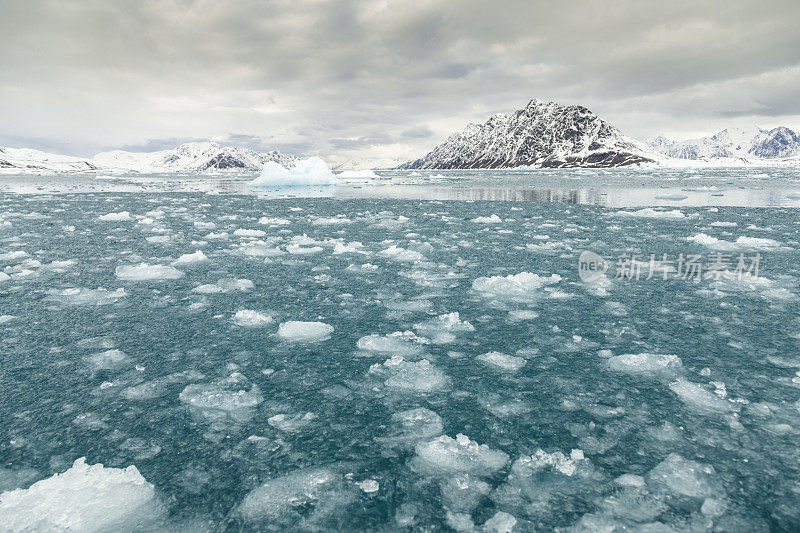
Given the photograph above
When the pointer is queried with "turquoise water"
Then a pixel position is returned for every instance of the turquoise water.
(241, 422)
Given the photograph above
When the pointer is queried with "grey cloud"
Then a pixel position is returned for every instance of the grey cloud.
(417, 132)
(318, 77)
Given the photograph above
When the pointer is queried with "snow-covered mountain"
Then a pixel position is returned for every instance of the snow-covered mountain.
(192, 157)
(543, 134)
(27, 160)
(188, 157)
(746, 144)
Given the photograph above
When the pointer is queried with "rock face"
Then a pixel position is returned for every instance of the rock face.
(193, 157)
(755, 143)
(542, 134)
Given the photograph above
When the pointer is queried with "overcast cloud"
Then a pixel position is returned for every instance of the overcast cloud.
(381, 79)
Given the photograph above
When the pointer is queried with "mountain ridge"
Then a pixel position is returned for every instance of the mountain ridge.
(542, 134)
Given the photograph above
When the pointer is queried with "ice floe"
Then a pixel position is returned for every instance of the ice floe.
(522, 287)
(420, 376)
(447, 456)
(649, 212)
(298, 331)
(189, 259)
(645, 363)
(501, 361)
(403, 343)
(84, 498)
(248, 318)
(444, 328)
(145, 272)
(111, 217)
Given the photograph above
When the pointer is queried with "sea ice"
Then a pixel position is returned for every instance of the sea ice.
(501, 361)
(420, 376)
(443, 329)
(699, 399)
(289, 423)
(682, 476)
(404, 343)
(227, 398)
(494, 219)
(412, 426)
(297, 331)
(522, 287)
(645, 363)
(247, 318)
(649, 212)
(301, 500)
(108, 360)
(401, 254)
(311, 171)
(446, 456)
(188, 259)
(122, 215)
(273, 221)
(76, 296)
(145, 272)
(241, 232)
(84, 498)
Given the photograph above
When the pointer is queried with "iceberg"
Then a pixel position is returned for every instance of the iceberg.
(311, 171)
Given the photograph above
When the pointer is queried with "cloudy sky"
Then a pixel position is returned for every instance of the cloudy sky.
(382, 78)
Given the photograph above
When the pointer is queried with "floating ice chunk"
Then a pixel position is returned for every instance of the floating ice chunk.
(145, 272)
(630, 480)
(504, 407)
(188, 259)
(714, 507)
(108, 360)
(519, 315)
(369, 485)
(698, 399)
(296, 249)
(350, 248)
(235, 284)
(272, 221)
(446, 456)
(521, 287)
(311, 171)
(208, 288)
(159, 387)
(84, 498)
(412, 426)
(4, 276)
(225, 398)
(649, 212)
(757, 243)
(742, 243)
(332, 221)
(682, 476)
(723, 224)
(13, 255)
(4, 319)
(405, 343)
(297, 331)
(122, 215)
(301, 500)
(501, 361)
(420, 376)
(247, 318)
(396, 253)
(291, 424)
(241, 232)
(644, 362)
(76, 296)
(494, 219)
(501, 522)
(443, 328)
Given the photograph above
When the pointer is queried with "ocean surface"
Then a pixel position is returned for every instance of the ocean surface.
(413, 352)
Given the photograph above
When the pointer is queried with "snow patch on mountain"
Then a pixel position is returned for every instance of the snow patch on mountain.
(734, 143)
